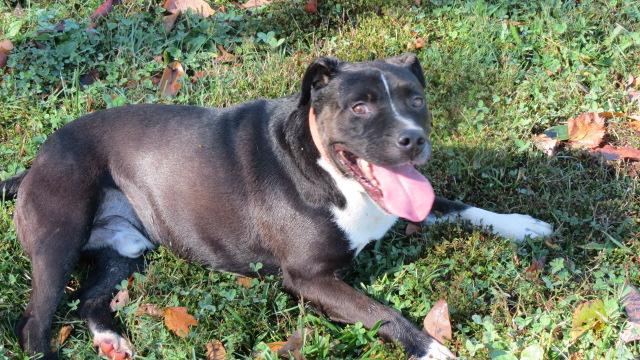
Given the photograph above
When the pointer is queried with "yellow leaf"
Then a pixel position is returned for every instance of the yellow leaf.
(588, 315)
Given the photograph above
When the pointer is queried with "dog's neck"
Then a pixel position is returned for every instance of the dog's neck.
(315, 136)
(304, 147)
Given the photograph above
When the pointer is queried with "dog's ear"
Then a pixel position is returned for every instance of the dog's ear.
(317, 76)
(411, 62)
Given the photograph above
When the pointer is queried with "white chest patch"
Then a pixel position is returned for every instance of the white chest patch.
(361, 219)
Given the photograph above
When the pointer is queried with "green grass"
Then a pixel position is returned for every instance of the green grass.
(497, 73)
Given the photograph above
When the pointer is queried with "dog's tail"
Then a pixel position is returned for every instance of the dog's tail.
(9, 187)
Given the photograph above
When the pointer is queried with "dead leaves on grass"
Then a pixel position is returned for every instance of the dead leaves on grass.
(216, 350)
(437, 323)
(177, 319)
(170, 80)
(293, 345)
(177, 7)
(5, 48)
(64, 334)
(631, 303)
(586, 131)
(588, 315)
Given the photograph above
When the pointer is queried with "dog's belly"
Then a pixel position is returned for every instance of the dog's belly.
(117, 226)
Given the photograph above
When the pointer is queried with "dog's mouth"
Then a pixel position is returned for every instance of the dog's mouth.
(399, 189)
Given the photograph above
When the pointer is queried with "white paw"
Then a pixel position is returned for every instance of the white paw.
(437, 351)
(111, 345)
(517, 226)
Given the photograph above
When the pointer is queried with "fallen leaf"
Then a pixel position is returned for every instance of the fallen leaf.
(215, 350)
(120, 300)
(412, 229)
(169, 21)
(64, 333)
(178, 320)
(631, 303)
(179, 6)
(149, 309)
(225, 56)
(611, 114)
(537, 265)
(276, 346)
(616, 153)
(635, 125)
(244, 281)
(103, 10)
(311, 6)
(197, 76)
(588, 315)
(169, 83)
(255, 3)
(546, 144)
(586, 130)
(291, 347)
(5, 48)
(437, 323)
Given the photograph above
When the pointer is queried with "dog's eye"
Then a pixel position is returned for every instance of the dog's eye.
(360, 109)
(417, 102)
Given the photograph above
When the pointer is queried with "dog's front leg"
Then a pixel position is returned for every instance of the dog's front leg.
(345, 304)
(512, 226)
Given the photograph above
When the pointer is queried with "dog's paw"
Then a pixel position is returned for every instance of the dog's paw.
(437, 351)
(517, 226)
(112, 346)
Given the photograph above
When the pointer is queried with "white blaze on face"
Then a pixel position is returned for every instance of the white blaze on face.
(410, 123)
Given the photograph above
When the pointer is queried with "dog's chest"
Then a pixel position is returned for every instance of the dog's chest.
(361, 219)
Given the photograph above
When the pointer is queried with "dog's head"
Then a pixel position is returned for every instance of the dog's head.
(373, 122)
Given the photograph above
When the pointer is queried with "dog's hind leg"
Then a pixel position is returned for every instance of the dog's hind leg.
(512, 226)
(109, 268)
(52, 218)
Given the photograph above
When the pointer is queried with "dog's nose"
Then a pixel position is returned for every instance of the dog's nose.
(412, 141)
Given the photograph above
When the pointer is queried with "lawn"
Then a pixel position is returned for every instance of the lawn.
(498, 73)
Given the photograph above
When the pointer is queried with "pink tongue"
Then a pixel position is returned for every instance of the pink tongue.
(405, 192)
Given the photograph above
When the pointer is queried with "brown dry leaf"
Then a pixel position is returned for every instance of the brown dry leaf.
(64, 333)
(276, 345)
(103, 10)
(179, 6)
(120, 300)
(255, 3)
(611, 114)
(311, 6)
(216, 350)
(437, 323)
(169, 83)
(545, 144)
(293, 345)
(244, 281)
(616, 153)
(635, 125)
(412, 228)
(169, 21)
(5, 48)
(534, 270)
(586, 130)
(197, 76)
(225, 56)
(149, 309)
(631, 303)
(178, 320)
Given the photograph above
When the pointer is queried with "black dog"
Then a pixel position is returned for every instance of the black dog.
(300, 184)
